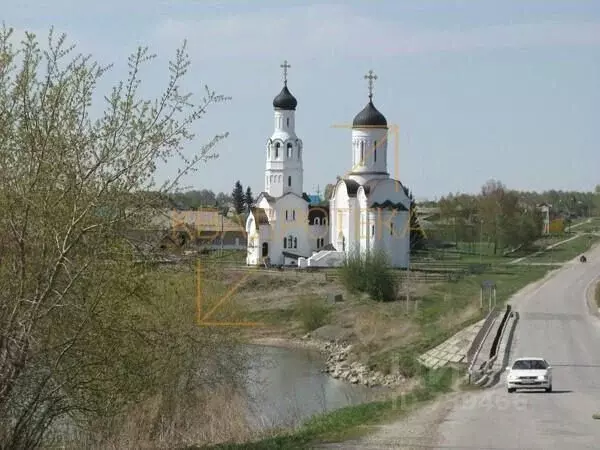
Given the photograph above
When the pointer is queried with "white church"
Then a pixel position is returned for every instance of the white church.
(367, 211)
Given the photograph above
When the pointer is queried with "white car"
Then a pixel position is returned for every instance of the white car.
(529, 373)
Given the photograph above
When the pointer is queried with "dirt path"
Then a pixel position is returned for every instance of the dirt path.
(416, 431)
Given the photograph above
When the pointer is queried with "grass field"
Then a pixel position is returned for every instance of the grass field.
(566, 251)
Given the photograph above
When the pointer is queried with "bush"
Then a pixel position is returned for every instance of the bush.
(370, 273)
(313, 314)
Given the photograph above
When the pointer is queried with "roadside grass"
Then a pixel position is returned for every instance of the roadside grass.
(566, 251)
(591, 227)
(449, 307)
(353, 421)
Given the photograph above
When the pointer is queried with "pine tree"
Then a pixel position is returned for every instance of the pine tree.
(248, 198)
(417, 236)
(238, 197)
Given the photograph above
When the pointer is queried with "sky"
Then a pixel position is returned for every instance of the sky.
(504, 89)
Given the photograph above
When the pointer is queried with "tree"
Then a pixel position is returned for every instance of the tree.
(248, 198)
(417, 236)
(238, 197)
(85, 331)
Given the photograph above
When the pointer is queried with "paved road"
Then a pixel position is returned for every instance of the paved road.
(554, 323)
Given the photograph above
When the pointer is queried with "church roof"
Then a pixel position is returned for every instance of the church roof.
(351, 186)
(369, 117)
(285, 100)
(260, 216)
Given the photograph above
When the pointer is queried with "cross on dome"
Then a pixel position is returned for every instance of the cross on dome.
(285, 66)
(370, 76)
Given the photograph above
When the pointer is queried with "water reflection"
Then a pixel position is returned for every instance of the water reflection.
(286, 387)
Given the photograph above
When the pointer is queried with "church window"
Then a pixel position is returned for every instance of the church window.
(277, 145)
(372, 230)
(295, 242)
(290, 242)
(362, 152)
(289, 151)
(375, 151)
(289, 180)
(287, 122)
(317, 221)
(293, 214)
(284, 243)
(286, 215)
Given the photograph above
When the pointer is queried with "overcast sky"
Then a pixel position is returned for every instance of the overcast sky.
(479, 89)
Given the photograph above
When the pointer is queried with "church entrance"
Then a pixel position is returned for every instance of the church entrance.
(265, 249)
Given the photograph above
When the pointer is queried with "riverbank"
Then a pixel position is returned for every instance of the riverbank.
(355, 421)
(336, 357)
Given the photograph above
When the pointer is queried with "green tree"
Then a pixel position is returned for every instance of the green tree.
(238, 197)
(85, 331)
(248, 198)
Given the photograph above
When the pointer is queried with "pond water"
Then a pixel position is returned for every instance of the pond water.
(286, 387)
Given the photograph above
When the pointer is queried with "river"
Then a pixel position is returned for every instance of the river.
(286, 387)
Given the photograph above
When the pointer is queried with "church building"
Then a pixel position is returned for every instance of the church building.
(367, 211)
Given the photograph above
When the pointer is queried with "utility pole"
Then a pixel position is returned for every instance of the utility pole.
(221, 213)
(480, 240)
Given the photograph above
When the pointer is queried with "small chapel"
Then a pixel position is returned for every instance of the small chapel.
(368, 210)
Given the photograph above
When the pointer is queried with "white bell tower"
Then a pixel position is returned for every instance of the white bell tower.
(283, 171)
(369, 141)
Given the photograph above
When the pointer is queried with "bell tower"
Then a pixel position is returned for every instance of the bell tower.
(283, 171)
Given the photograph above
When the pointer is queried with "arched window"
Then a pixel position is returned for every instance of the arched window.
(290, 242)
(375, 151)
(295, 242)
(293, 214)
(362, 152)
(289, 181)
(317, 221)
(287, 122)
(289, 150)
(277, 145)
(284, 243)
(372, 230)
(265, 249)
(286, 215)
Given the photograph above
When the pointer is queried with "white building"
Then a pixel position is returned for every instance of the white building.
(283, 227)
(367, 211)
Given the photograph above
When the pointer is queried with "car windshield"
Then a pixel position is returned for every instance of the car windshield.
(530, 364)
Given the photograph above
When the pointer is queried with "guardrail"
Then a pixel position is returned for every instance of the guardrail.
(477, 343)
(493, 350)
(498, 337)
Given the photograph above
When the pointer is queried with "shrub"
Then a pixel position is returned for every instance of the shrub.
(370, 273)
(313, 314)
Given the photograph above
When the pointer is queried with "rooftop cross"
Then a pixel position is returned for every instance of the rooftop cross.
(285, 66)
(370, 76)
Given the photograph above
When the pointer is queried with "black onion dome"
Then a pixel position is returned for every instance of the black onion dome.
(369, 117)
(285, 100)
